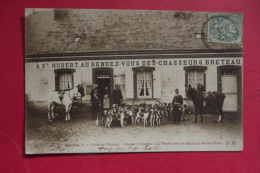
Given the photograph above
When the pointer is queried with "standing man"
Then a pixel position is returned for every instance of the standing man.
(117, 96)
(177, 109)
(95, 98)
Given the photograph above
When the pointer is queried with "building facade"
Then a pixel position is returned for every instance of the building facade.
(148, 54)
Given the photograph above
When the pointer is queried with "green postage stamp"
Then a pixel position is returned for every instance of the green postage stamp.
(225, 27)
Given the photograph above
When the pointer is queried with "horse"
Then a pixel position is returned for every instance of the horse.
(212, 99)
(69, 96)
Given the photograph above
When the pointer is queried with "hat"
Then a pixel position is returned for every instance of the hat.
(176, 90)
(95, 85)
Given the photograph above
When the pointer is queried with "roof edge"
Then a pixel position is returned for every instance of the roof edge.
(137, 52)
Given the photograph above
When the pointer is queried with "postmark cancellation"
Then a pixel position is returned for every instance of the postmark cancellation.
(225, 28)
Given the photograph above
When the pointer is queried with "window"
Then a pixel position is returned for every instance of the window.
(104, 74)
(64, 79)
(198, 35)
(143, 82)
(195, 75)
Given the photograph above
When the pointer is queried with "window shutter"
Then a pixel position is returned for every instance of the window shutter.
(129, 85)
(72, 81)
(57, 82)
(157, 82)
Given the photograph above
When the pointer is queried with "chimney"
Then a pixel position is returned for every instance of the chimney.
(60, 14)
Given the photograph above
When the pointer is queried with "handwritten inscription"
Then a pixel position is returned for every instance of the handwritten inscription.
(231, 143)
(137, 146)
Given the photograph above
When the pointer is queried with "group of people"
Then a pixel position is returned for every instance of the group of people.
(104, 98)
(106, 101)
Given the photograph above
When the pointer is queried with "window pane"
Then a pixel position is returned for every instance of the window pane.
(195, 77)
(200, 77)
(142, 89)
(144, 84)
(65, 81)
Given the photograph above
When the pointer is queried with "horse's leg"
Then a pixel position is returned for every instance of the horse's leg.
(220, 119)
(53, 109)
(66, 112)
(201, 118)
(69, 109)
(196, 113)
(53, 105)
(49, 111)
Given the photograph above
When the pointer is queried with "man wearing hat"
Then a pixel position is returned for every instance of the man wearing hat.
(177, 109)
(95, 98)
(117, 96)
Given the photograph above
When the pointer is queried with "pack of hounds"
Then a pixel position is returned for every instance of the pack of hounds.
(147, 114)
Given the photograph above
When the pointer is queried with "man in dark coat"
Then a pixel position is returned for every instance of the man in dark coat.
(117, 96)
(177, 109)
(95, 98)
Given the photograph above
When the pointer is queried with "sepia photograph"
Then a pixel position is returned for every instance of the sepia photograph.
(122, 81)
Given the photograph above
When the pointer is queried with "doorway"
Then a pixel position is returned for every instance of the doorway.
(103, 77)
(230, 84)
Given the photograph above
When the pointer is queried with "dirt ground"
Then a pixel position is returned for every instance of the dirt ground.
(81, 135)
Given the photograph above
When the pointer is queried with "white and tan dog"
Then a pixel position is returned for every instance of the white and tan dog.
(118, 115)
(142, 114)
(122, 117)
(110, 117)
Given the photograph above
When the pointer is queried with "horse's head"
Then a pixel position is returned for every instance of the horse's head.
(81, 90)
(200, 87)
(190, 91)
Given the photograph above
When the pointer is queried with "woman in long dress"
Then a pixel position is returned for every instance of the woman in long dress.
(106, 99)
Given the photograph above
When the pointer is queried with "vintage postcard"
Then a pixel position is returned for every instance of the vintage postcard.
(113, 81)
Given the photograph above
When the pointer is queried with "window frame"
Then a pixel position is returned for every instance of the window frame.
(142, 69)
(58, 72)
(195, 68)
